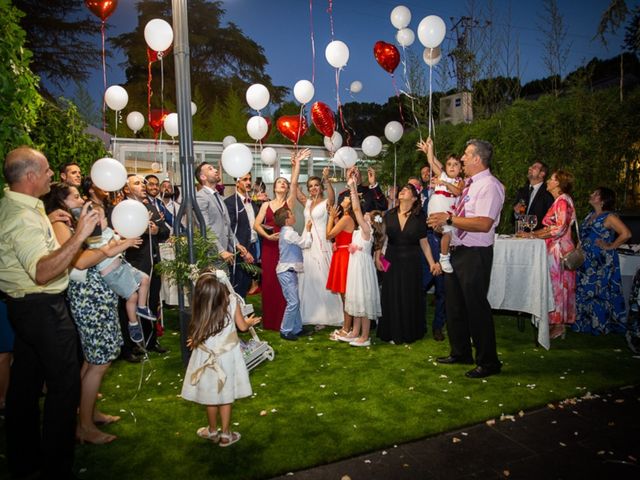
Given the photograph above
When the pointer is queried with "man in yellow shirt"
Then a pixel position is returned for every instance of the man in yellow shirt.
(34, 278)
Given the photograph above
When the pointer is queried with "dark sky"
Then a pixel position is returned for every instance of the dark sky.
(283, 29)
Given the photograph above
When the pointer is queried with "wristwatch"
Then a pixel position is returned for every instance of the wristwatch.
(450, 220)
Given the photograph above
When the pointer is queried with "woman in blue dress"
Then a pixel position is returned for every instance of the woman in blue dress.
(600, 304)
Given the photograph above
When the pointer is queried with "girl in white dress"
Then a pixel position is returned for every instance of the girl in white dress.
(217, 374)
(318, 306)
(362, 297)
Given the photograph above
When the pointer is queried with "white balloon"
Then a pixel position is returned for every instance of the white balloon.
(345, 157)
(194, 109)
(228, 140)
(400, 17)
(257, 96)
(356, 86)
(405, 37)
(130, 218)
(393, 131)
(257, 127)
(116, 97)
(431, 31)
(371, 146)
(135, 121)
(237, 160)
(108, 174)
(171, 125)
(334, 142)
(269, 156)
(432, 56)
(303, 90)
(337, 54)
(158, 34)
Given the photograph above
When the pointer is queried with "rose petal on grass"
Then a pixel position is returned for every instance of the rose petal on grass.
(367, 461)
(384, 452)
(562, 444)
(491, 422)
(263, 413)
(456, 440)
(273, 410)
(320, 414)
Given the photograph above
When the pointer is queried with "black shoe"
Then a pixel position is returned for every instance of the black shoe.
(481, 372)
(451, 359)
(438, 336)
(130, 357)
(157, 348)
(288, 336)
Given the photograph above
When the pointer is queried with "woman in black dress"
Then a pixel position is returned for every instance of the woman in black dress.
(403, 300)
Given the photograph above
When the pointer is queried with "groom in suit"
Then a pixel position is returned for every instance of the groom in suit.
(216, 216)
(242, 212)
(534, 196)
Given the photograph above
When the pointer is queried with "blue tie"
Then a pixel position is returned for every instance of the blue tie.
(168, 217)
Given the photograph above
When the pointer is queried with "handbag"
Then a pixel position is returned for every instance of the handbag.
(575, 258)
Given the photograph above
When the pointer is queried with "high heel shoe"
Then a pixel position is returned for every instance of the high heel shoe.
(557, 331)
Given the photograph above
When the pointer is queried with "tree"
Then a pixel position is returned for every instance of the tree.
(632, 32)
(86, 105)
(221, 57)
(57, 34)
(556, 50)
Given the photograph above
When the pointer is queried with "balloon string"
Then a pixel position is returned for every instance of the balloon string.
(330, 12)
(149, 95)
(161, 83)
(313, 44)
(430, 100)
(300, 120)
(115, 135)
(395, 88)
(407, 81)
(104, 81)
(395, 167)
(339, 107)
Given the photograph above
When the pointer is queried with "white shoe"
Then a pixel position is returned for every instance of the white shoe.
(445, 263)
(356, 343)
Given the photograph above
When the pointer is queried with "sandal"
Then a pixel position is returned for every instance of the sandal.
(204, 432)
(227, 439)
(336, 334)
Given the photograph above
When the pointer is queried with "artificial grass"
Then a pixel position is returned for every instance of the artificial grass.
(321, 401)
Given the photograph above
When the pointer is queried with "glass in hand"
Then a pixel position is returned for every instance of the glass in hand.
(533, 222)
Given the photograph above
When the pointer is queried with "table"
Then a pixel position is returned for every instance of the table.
(521, 281)
(628, 266)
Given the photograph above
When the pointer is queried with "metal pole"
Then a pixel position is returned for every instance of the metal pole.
(185, 138)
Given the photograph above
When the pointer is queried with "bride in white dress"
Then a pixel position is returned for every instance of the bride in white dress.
(318, 306)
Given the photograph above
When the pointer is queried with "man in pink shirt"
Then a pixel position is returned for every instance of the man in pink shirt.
(475, 218)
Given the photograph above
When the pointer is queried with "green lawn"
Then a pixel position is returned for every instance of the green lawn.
(322, 401)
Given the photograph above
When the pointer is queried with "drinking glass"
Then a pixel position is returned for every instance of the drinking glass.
(533, 222)
(526, 223)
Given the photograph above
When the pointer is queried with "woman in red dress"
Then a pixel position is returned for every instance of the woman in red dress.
(273, 302)
(340, 226)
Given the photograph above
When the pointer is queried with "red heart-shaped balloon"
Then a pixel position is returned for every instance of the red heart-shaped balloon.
(292, 126)
(323, 118)
(387, 55)
(101, 8)
(154, 56)
(156, 119)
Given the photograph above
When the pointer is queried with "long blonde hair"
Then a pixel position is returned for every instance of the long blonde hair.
(209, 308)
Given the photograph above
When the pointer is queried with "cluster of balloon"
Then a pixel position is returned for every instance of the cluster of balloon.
(323, 118)
(356, 86)
(130, 218)
(157, 117)
(101, 8)
(269, 156)
(345, 157)
(400, 18)
(386, 55)
(431, 33)
(337, 54)
(333, 143)
(108, 174)
(135, 121)
(371, 146)
(116, 97)
(292, 126)
(237, 160)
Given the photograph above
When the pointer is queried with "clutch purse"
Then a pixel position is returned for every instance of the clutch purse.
(385, 263)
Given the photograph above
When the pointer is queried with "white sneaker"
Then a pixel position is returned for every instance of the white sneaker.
(445, 263)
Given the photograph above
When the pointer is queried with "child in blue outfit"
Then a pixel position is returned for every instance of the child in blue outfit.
(289, 265)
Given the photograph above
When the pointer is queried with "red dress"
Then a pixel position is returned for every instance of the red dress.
(337, 281)
(273, 303)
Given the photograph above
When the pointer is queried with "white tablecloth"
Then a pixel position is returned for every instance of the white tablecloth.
(520, 281)
(629, 264)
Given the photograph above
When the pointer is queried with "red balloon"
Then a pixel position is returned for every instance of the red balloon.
(323, 118)
(101, 8)
(387, 55)
(154, 56)
(292, 126)
(156, 119)
(268, 120)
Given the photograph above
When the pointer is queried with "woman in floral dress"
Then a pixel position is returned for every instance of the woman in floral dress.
(599, 300)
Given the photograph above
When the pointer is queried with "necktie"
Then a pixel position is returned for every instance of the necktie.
(247, 200)
(168, 217)
(460, 208)
(530, 198)
(216, 195)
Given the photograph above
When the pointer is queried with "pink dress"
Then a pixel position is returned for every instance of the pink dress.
(558, 219)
